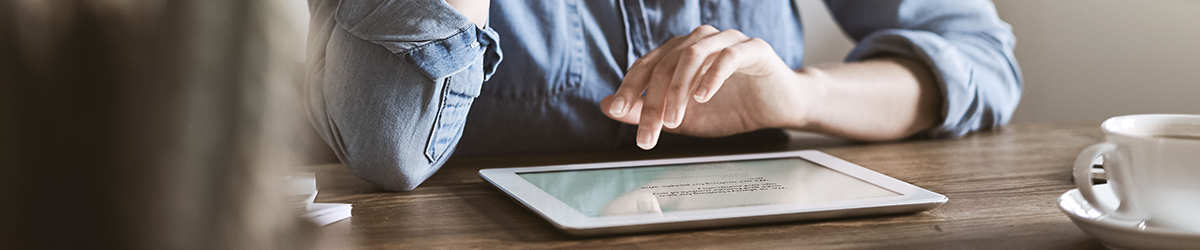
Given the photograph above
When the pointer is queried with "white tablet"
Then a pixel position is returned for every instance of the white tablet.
(668, 194)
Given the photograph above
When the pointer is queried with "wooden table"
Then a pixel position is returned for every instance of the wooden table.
(1003, 186)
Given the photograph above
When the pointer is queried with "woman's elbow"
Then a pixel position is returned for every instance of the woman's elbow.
(394, 171)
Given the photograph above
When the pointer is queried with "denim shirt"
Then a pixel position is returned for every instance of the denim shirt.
(395, 87)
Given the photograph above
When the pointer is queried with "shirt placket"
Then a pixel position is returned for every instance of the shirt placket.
(637, 42)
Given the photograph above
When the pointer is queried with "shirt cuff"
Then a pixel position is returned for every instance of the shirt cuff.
(445, 57)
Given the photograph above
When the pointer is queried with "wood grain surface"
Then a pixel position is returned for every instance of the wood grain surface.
(1003, 187)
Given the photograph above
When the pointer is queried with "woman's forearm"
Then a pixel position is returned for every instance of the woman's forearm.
(475, 10)
(883, 99)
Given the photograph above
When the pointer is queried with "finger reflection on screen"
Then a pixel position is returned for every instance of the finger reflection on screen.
(636, 202)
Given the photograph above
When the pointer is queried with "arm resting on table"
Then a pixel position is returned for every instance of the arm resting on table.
(965, 44)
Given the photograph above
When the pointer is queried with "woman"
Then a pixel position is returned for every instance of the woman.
(392, 83)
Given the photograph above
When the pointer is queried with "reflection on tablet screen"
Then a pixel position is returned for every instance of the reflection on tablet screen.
(658, 189)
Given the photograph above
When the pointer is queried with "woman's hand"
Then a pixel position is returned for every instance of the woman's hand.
(713, 83)
(709, 83)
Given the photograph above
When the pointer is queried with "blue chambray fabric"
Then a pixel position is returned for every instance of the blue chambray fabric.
(391, 82)
(397, 86)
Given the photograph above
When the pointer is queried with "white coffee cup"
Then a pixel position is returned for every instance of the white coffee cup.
(1152, 163)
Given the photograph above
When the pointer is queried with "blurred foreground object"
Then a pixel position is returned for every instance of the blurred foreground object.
(301, 191)
(149, 124)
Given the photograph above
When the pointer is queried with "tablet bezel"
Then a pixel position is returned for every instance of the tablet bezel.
(910, 199)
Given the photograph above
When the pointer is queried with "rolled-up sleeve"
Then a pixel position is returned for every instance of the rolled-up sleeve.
(390, 84)
(429, 33)
(964, 42)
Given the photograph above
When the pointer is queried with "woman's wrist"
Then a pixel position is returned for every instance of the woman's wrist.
(811, 87)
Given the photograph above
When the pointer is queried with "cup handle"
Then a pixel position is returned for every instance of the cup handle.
(1083, 172)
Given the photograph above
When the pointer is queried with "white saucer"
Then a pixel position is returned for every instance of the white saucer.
(1121, 234)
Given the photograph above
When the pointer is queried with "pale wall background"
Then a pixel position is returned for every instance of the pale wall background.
(1082, 59)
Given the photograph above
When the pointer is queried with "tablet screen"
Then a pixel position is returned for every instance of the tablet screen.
(682, 187)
